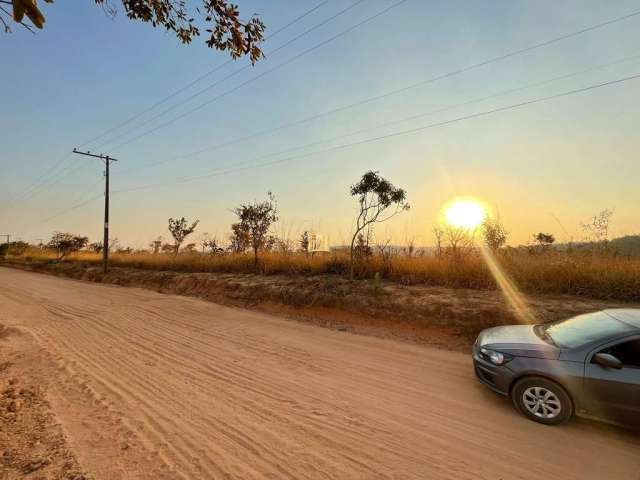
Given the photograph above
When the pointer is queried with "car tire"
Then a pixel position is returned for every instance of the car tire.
(542, 400)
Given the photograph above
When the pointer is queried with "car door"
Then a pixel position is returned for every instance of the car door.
(611, 393)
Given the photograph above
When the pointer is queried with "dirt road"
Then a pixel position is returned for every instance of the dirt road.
(151, 386)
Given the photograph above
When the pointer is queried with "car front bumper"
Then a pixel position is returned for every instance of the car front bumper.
(497, 377)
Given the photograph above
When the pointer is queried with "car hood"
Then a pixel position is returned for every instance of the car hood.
(517, 340)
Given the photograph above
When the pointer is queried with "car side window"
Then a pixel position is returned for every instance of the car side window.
(627, 352)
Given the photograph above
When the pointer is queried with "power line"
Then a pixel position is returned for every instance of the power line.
(361, 142)
(381, 96)
(44, 182)
(412, 117)
(67, 210)
(253, 79)
(200, 78)
(232, 74)
(391, 135)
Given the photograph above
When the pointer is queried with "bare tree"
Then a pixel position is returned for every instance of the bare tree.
(596, 229)
(220, 19)
(376, 196)
(460, 240)
(438, 233)
(494, 234)
(180, 229)
(255, 220)
(410, 246)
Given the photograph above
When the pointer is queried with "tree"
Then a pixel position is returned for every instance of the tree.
(239, 239)
(494, 234)
(596, 229)
(461, 240)
(190, 248)
(438, 233)
(95, 247)
(255, 220)
(544, 240)
(66, 243)
(180, 229)
(156, 245)
(220, 18)
(211, 244)
(14, 248)
(375, 196)
(304, 242)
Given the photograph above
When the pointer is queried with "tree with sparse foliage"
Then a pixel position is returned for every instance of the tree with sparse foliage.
(494, 234)
(66, 243)
(95, 247)
(211, 244)
(304, 242)
(156, 245)
(239, 239)
(13, 248)
(180, 229)
(596, 229)
(255, 220)
(220, 19)
(544, 240)
(375, 195)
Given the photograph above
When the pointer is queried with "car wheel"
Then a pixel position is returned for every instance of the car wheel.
(542, 400)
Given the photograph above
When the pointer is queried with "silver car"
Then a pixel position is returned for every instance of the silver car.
(587, 365)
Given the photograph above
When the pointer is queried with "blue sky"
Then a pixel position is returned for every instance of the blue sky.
(567, 158)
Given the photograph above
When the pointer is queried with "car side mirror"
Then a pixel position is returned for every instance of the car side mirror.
(607, 360)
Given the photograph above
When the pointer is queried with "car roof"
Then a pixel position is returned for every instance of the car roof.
(629, 316)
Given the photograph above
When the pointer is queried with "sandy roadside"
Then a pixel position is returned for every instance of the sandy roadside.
(146, 385)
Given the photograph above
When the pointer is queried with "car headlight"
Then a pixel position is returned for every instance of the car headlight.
(497, 358)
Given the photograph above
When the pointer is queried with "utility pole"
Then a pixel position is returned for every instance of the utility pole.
(105, 244)
(7, 236)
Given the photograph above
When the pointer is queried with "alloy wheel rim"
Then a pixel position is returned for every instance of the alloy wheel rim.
(542, 402)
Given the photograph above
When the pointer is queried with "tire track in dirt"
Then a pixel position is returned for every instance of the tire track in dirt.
(195, 390)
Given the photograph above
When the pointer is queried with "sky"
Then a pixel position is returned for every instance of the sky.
(545, 166)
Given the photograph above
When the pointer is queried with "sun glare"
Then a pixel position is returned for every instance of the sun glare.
(464, 213)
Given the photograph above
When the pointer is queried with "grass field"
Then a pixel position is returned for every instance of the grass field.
(576, 273)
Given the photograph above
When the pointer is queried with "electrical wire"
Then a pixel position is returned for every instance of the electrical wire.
(391, 135)
(199, 79)
(253, 79)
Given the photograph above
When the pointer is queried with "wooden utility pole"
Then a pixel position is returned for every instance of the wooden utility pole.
(105, 244)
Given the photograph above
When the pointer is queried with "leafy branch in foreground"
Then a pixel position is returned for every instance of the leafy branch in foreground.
(220, 19)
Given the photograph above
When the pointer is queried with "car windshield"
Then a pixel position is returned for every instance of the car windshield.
(579, 331)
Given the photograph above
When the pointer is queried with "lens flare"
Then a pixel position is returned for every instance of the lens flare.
(465, 213)
(516, 300)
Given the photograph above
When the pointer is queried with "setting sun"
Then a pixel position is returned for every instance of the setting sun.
(464, 213)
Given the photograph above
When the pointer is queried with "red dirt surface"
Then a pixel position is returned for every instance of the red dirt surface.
(151, 386)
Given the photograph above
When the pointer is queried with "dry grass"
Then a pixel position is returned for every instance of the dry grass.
(594, 276)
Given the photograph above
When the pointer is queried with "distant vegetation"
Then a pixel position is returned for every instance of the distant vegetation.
(598, 268)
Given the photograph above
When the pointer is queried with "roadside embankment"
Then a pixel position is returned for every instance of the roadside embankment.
(447, 317)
